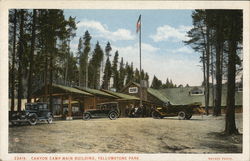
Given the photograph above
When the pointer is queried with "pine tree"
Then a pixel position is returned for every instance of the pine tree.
(130, 73)
(234, 36)
(42, 41)
(156, 83)
(94, 66)
(52, 29)
(142, 75)
(84, 59)
(122, 73)
(171, 84)
(108, 48)
(13, 20)
(200, 41)
(107, 70)
(219, 39)
(70, 28)
(79, 56)
(137, 76)
(20, 59)
(107, 75)
(115, 73)
(146, 77)
(31, 61)
(126, 73)
(167, 83)
(72, 66)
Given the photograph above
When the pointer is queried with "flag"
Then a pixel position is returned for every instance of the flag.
(138, 24)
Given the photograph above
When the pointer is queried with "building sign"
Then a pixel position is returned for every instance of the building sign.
(133, 90)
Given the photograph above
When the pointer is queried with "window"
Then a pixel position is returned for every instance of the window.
(56, 109)
(133, 90)
(75, 109)
(239, 89)
(196, 91)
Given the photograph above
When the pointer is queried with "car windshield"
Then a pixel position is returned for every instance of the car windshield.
(31, 107)
(108, 106)
(42, 106)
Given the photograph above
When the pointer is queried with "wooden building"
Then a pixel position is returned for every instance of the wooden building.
(150, 96)
(98, 97)
(71, 102)
(63, 95)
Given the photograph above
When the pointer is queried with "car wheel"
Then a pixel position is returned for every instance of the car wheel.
(113, 115)
(33, 120)
(181, 115)
(50, 119)
(156, 115)
(188, 116)
(86, 116)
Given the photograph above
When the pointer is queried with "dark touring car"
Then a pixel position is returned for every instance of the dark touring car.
(33, 113)
(182, 111)
(109, 110)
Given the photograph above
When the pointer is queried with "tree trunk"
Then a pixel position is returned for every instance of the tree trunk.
(207, 70)
(67, 65)
(21, 52)
(205, 35)
(51, 77)
(87, 74)
(230, 112)
(212, 73)
(219, 52)
(45, 78)
(204, 80)
(221, 71)
(50, 83)
(79, 75)
(13, 64)
(30, 80)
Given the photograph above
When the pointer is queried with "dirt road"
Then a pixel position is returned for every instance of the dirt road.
(127, 135)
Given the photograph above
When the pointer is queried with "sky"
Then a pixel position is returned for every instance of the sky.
(162, 34)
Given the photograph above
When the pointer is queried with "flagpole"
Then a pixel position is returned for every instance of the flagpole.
(140, 63)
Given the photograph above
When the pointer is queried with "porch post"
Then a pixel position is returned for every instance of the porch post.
(69, 117)
(62, 106)
(95, 102)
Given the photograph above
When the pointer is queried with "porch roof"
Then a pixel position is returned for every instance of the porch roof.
(60, 89)
(96, 92)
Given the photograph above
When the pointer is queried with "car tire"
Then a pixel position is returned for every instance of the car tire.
(113, 115)
(50, 119)
(33, 120)
(86, 116)
(188, 116)
(181, 115)
(156, 115)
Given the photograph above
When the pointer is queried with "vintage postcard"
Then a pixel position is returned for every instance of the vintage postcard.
(124, 80)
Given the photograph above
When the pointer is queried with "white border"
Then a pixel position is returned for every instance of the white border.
(63, 4)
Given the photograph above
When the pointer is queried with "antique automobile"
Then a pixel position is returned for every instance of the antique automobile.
(109, 109)
(182, 111)
(33, 113)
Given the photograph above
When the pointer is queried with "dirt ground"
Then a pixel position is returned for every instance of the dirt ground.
(127, 135)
